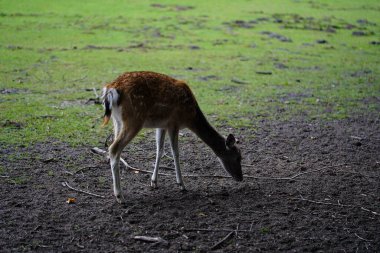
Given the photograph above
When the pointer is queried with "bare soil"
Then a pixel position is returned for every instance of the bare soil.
(310, 186)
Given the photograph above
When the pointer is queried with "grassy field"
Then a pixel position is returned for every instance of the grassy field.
(245, 60)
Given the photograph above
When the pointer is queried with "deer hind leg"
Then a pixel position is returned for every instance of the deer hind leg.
(173, 137)
(125, 135)
(117, 122)
(160, 140)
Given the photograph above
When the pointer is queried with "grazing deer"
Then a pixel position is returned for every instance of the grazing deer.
(147, 99)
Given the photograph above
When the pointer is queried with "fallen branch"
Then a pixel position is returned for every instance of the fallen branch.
(140, 170)
(219, 244)
(216, 230)
(100, 151)
(367, 210)
(150, 239)
(4, 176)
(84, 168)
(361, 238)
(336, 204)
(166, 168)
(168, 156)
(82, 191)
(68, 172)
(296, 175)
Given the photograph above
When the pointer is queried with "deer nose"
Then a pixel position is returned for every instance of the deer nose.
(238, 178)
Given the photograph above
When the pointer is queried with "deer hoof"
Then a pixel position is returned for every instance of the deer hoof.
(182, 188)
(153, 184)
(120, 199)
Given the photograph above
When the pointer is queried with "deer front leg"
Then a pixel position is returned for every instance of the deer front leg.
(160, 140)
(173, 136)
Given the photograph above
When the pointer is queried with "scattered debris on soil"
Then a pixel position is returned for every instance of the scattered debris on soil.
(309, 186)
(277, 36)
(13, 124)
(238, 81)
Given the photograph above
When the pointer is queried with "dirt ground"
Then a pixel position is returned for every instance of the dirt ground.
(310, 186)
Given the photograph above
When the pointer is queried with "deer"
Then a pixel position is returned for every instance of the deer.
(144, 99)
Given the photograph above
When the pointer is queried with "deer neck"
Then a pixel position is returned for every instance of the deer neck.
(208, 134)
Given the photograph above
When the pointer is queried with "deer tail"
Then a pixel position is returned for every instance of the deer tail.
(110, 98)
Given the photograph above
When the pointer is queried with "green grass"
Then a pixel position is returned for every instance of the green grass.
(52, 53)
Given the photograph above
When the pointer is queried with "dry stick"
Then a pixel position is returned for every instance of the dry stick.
(361, 238)
(100, 151)
(220, 243)
(140, 170)
(4, 176)
(83, 168)
(168, 156)
(298, 174)
(166, 168)
(68, 172)
(78, 190)
(216, 230)
(237, 230)
(339, 204)
(367, 210)
(149, 239)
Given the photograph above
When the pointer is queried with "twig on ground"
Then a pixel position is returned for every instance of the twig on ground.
(321, 202)
(296, 175)
(336, 204)
(100, 151)
(140, 170)
(83, 168)
(68, 172)
(219, 244)
(150, 239)
(356, 137)
(79, 246)
(361, 238)
(168, 156)
(82, 191)
(216, 230)
(4, 176)
(166, 168)
(367, 210)
(237, 230)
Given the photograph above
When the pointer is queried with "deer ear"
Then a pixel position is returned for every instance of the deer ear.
(230, 141)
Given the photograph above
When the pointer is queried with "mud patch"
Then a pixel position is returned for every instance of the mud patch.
(12, 124)
(12, 91)
(277, 36)
(171, 7)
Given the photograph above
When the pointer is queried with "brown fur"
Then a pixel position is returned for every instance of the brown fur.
(150, 97)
